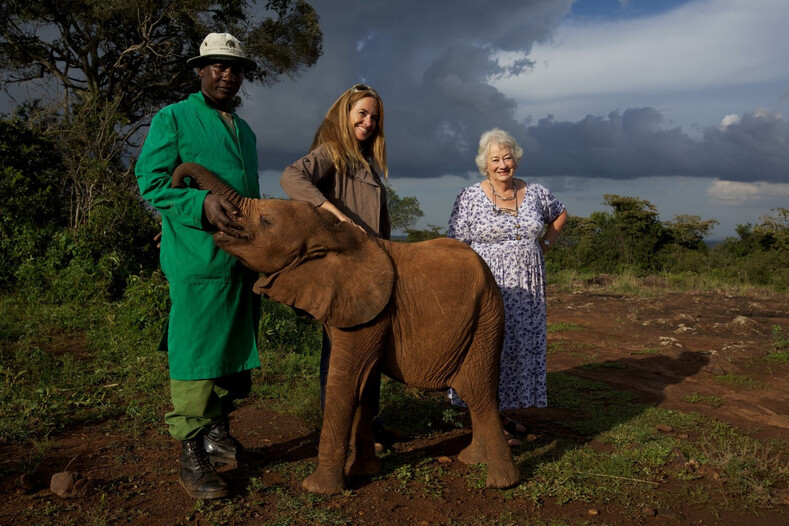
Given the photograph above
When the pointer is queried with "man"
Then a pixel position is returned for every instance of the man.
(211, 332)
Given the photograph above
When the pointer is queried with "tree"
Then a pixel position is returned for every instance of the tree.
(403, 211)
(99, 70)
(432, 232)
(689, 231)
(30, 186)
(774, 230)
(640, 234)
(103, 67)
(133, 53)
(29, 178)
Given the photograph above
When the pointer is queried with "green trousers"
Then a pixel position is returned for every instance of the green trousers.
(199, 404)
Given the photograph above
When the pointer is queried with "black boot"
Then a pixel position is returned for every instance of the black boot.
(197, 474)
(221, 446)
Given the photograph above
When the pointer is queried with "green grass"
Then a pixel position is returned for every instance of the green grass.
(779, 352)
(621, 454)
(647, 351)
(628, 282)
(573, 348)
(710, 400)
(737, 380)
(558, 327)
(65, 366)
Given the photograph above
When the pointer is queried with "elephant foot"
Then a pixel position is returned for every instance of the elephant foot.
(474, 453)
(502, 475)
(359, 463)
(326, 481)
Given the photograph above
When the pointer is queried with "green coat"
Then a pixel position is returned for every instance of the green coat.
(212, 328)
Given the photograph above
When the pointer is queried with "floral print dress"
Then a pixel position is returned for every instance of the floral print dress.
(509, 244)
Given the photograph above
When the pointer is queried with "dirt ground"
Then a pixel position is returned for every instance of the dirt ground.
(690, 338)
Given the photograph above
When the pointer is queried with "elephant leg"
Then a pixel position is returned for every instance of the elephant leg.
(476, 452)
(351, 360)
(362, 459)
(328, 477)
(488, 444)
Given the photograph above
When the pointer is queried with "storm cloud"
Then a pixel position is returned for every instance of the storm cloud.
(635, 143)
(436, 65)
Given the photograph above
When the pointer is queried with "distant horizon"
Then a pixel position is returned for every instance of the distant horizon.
(438, 215)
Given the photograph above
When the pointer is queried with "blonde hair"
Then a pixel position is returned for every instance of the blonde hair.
(336, 133)
(502, 138)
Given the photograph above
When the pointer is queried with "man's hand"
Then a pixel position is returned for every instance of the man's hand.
(222, 214)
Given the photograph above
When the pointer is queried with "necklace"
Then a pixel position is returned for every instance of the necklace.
(510, 211)
(500, 197)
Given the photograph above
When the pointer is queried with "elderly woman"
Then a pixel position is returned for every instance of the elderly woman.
(504, 220)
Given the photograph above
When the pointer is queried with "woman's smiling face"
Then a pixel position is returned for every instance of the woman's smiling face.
(501, 163)
(363, 118)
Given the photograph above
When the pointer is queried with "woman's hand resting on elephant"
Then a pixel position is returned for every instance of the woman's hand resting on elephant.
(339, 215)
(222, 214)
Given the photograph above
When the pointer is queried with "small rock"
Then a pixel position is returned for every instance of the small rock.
(663, 428)
(70, 484)
(593, 511)
(444, 460)
(742, 325)
(671, 515)
(648, 512)
(683, 328)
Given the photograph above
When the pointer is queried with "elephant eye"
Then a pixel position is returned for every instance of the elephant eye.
(264, 221)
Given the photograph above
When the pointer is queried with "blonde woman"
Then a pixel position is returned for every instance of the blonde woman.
(342, 174)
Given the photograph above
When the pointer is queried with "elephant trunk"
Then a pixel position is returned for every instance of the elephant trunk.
(207, 181)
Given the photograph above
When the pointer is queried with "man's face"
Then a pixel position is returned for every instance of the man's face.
(220, 82)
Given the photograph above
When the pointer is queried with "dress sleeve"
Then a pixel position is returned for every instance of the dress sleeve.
(459, 224)
(158, 159)
(300, 179)
(552, 207)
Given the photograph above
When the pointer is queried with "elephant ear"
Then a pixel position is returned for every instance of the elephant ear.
(346, 282)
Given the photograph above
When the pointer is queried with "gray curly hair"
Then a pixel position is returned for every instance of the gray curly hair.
(502, 138)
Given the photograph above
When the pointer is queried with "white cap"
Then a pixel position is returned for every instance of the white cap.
(221, 47)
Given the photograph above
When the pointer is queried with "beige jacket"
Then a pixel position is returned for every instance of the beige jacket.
(359, 195)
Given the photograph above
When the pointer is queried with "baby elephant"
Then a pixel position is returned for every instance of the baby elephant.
(427, 314)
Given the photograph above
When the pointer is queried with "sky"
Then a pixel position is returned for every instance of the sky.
(682, 103)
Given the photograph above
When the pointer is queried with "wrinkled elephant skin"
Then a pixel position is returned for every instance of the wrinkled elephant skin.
(427, 314)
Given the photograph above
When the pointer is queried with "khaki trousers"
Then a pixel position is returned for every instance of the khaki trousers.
(199, 404)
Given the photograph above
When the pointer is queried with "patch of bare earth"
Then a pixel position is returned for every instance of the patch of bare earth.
(665, 349)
